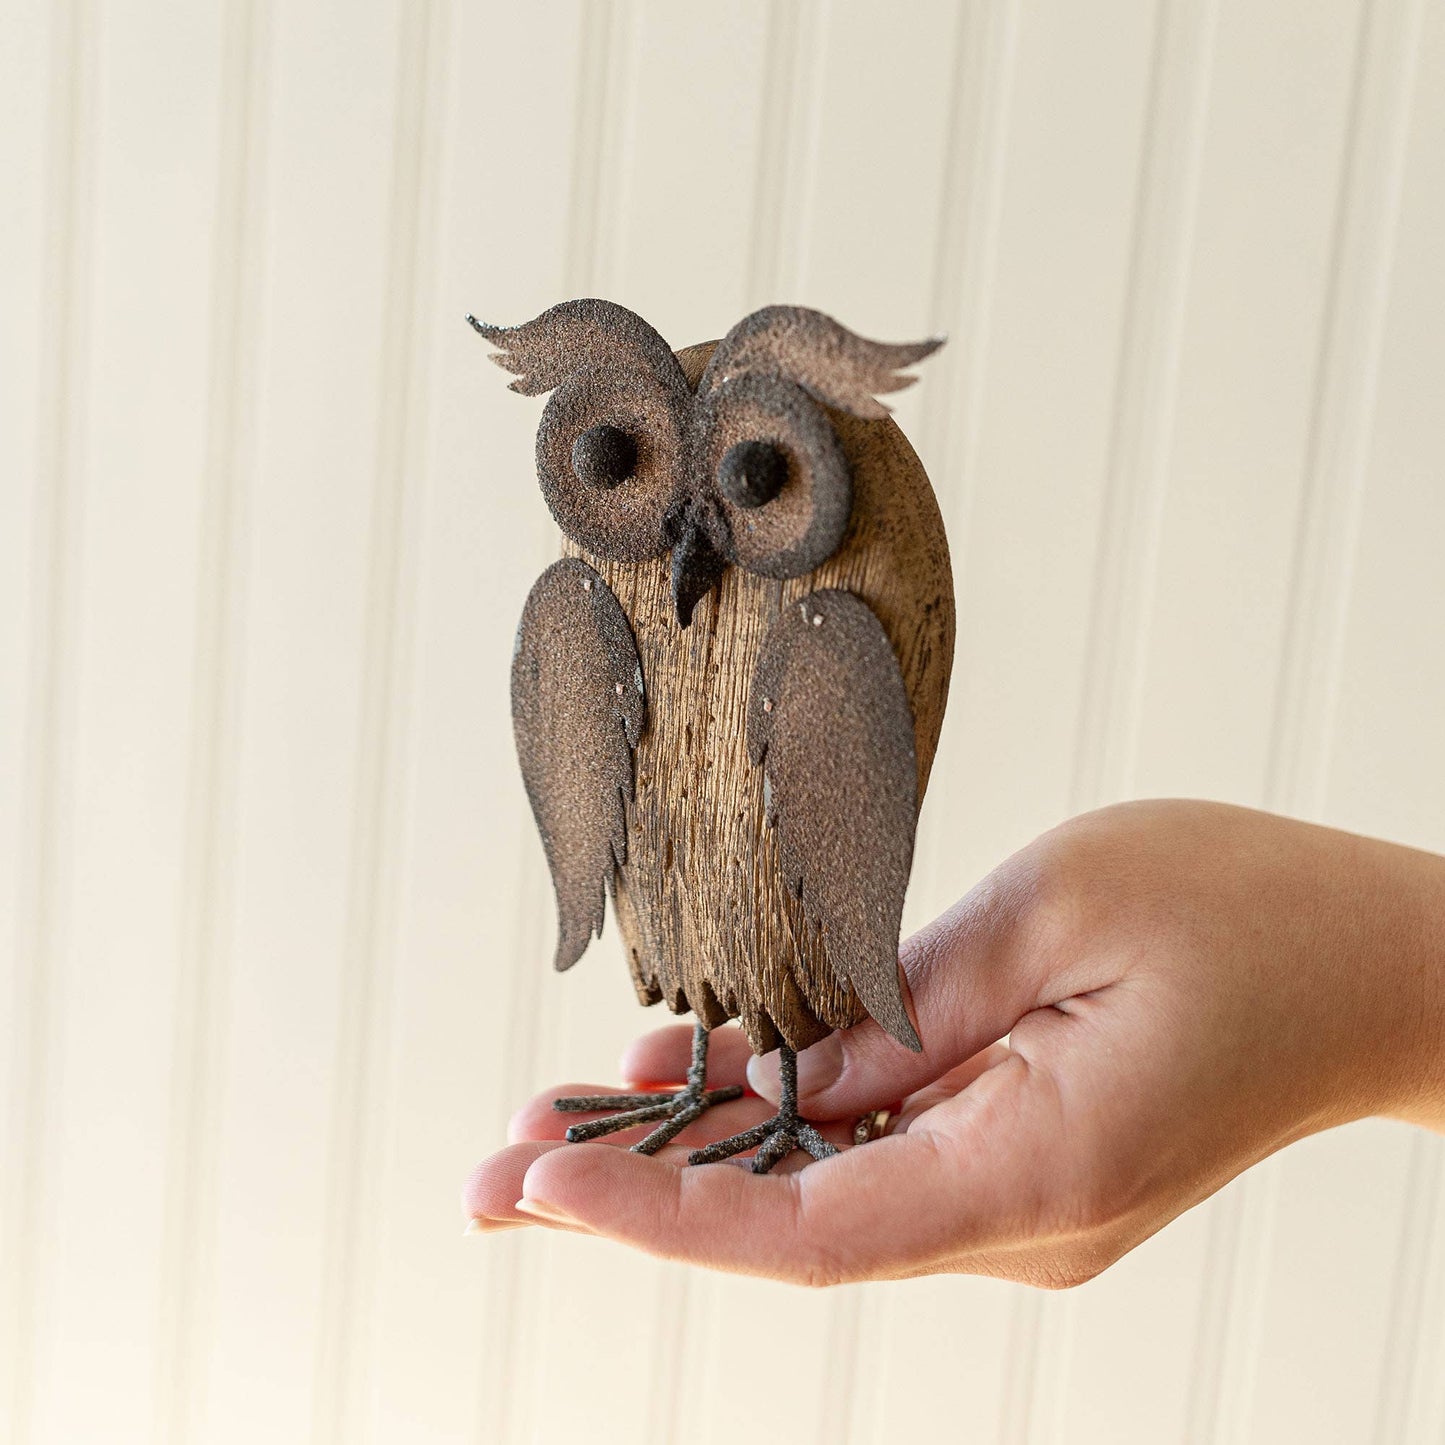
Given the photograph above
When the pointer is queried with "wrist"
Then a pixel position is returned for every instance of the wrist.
(1409, 959)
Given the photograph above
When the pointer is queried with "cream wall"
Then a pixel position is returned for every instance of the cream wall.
(275, 923)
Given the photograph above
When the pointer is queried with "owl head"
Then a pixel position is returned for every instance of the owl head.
(745, 471)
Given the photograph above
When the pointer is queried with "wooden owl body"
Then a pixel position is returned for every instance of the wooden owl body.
(707, 917)
(722, 911)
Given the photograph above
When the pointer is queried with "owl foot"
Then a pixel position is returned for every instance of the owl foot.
(676, 1109)
(775, 1138)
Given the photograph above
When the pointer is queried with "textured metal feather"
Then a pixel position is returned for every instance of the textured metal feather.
(829, 721)
(839, 367)
(578, 710)
(566, 338)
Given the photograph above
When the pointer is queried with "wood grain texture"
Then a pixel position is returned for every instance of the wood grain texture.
(707, 920)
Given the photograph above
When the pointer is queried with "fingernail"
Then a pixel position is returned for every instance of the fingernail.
(549, 1213)
(763, 1076)
(492, 1226)
(820, 1066)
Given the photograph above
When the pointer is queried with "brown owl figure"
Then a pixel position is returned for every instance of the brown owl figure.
(727, 693)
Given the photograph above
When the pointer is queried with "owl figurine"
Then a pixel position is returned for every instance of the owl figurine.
(727, 693)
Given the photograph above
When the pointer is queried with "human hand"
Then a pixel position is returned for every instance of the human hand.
(1186, 987)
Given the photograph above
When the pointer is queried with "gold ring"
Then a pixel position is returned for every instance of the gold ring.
(873, 1125)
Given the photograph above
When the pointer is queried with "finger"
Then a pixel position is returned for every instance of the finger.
(894, 1208)
(666, 1054)
(973, 973)
(490, 1195)
(953, 1083)
(493, 1188)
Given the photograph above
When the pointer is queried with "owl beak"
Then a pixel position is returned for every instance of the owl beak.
(696, 568)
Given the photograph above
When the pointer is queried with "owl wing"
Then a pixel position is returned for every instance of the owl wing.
(578, 710)
(829, 722)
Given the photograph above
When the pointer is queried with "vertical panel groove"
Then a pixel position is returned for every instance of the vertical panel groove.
(967, 247)
(1423, 1414)
(501, 1371)
(1422, 1238)
(791, 280)
(50, 683)
(1137, 470)
(838, 1403)
(810, 75)
(791, 96)
(1134, 485)
(962, 300)
(1418, 1260)
(672, 1321)
(202, 959)
(596, 91)
(363, 1072)
(975, 127)
(776, 126)
(616, 175)
(585, 185)
(1232, 1311)
(1345, 382)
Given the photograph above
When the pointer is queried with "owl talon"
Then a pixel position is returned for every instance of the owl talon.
(675, 1110)
(596, 1103)
(774, 1141)
(775, 1138)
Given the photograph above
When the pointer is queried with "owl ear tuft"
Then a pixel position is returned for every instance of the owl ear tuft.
(843, 370)
(573, 336)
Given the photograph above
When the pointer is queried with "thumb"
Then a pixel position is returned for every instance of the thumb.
(973, 973)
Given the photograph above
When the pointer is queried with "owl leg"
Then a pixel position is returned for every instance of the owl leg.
(775, 1138)
(676, 1110)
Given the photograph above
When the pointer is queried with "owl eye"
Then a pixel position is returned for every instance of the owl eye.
(603, 456)
(610, 459)
(785, 501)
(752, 473)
